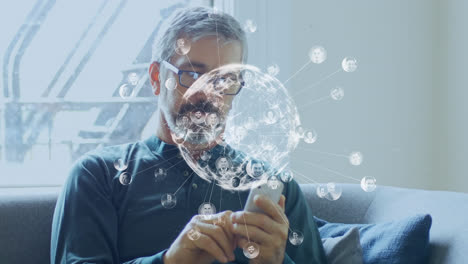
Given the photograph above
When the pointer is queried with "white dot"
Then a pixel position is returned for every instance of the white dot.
(355, 158)
(171, 83)
(120, 164)
(182, 46)
(125, 178)
(349, 64)
(273, 69)
(337, 93)
(334, 191)
(287, 176)
(296, 238)
(126, 91)
(250, 26)
(251, 250)
(194, 234)
(168, 200)
(317, 54)
(368, 184)
(310, 137)
(207, 210)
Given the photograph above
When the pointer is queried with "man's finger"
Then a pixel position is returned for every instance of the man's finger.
(261, 221)
(219, 236)
(207, 244)
(252, 233)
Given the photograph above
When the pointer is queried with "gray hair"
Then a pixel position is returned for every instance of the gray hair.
(194, 23)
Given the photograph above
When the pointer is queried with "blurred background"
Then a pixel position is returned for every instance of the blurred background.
(64, 63)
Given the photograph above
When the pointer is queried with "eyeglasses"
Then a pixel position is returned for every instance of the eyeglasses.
(227, 84)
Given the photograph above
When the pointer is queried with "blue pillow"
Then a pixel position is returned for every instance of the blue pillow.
(402, 241)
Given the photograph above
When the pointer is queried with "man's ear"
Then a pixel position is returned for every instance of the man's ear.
(154, 77)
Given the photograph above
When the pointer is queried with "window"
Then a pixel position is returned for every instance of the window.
(63, 65)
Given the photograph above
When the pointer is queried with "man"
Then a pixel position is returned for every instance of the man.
(99, 220)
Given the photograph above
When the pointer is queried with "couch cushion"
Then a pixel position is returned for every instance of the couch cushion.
(449, 211)
(25, 224)
(395, 242)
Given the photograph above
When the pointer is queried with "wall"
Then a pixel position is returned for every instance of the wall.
(403, 108)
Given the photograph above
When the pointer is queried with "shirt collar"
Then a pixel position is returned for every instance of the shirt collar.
(161, 148)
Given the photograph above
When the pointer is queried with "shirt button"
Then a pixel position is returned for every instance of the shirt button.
(185, 173)
(194, 186)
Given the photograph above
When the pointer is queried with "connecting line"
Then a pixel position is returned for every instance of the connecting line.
(217, 40)
(220, 198)
(315, 101)
(330, 170)
(184, 182)
(302, 68)
(156, 165)
(193, 69)
(318, 82)
(212, 187)
(207, 190)
(323, 152)
(245, 223)
(304, 177)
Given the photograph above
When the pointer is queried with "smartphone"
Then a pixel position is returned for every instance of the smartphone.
(274, 194)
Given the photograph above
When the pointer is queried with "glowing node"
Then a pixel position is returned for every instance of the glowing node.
(355, 158)
(337, 93)
(220, 220)
(334, 191)
(322, 190)
(194, 234)
(317, 54)
(120, 164)
(349, 64)
(255, 169)
(198, 117)
(251, 250)
(182, 46)
(310, 137)
(250, 26)
(207, 210)
(160, 174)
(270, 117)
(126, 91)
(273, 70)
(168, 200)
(171, 83)
(125, 178)
(296, 238)
(133, 78)
(205, 155)
(368, 184)
(273, 182)
(213, 12)
(287, 176)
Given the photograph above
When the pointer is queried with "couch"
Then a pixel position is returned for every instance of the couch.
(26, 217)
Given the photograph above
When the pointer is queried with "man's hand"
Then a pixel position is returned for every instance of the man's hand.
(204, 240)
(269, 230)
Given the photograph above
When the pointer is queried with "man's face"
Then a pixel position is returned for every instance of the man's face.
(202, 57)
(223, 163)
(213, 119)
(207, 209)
(257, 169)
(198, 114)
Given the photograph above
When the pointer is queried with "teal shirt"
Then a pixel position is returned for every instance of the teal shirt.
(99, 220)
